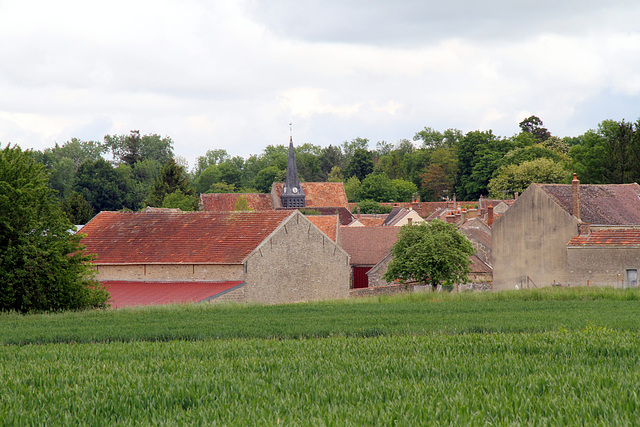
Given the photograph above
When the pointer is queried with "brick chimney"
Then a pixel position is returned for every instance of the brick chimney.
(490, 215)
(463, 216)
(409, 221)
(575, 196)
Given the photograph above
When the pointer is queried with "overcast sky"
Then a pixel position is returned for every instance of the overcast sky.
(233, 74)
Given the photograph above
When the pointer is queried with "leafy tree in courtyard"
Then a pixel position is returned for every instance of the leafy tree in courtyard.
(42, 266)
(433, 253)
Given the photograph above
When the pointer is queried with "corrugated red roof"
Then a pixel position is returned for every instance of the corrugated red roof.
(131, 294)
(318, 194)
(328, 224)
(607, 237)
(226, 202)
(612, 204)
(368, 245)
(178, 238)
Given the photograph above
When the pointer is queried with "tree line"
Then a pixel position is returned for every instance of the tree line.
(133, 171)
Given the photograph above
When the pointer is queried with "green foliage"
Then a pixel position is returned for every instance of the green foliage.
(134, 148)
(533, 125)
(307, 211)
(360, 164)
(335, 175)
(172, 177)
(177, 199)
(211, 158)
(267, 176)
(42, 266)
(330, 157)
(516, 178)
(378, 188)
(77, 209)
(433, 139)
(103, 186)
(404, 189)
(221, 187)
(369, 206)
(351, 186)
(433, 253)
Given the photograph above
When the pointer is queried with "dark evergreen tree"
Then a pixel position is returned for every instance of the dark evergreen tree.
(172, 177)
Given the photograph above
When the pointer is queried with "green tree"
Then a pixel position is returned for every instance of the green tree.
(133, 148)
(351, 186)
(172, 177)
(433, 139)
(102, 185)
(242, 204)
(404, 189)
(371, 207)
(433, 253)
(329, 158)
(534, 126)
(177, 199)
(335, 175)
(77, 209)
(378, 188)
(360, 164)
(42, 264)
(266, 177)
(516, 178)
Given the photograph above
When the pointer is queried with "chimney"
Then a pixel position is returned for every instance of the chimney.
(463, 216)
(490, 215)
(409, 221)
(575, 196)
(472, 213)
(450, 218)
(358, 212)
(515, 195)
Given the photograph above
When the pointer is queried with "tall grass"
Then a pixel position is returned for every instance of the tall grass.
(413, 314)
(584, 377)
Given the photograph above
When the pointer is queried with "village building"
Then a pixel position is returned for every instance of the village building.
(568, 235)
(265, 257)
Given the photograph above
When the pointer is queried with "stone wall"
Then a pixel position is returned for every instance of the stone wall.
(601, 265)
(381, 290)
(171, 272)
(529, 240)
(297, 263)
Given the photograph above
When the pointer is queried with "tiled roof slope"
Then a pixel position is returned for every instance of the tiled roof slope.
(318, 194)
(478, 235)
(132, 294)
(226, 202)
(479, 266)
(607, 237)
(612, 204)
(368, 245)
(328, 224)
(178, 238)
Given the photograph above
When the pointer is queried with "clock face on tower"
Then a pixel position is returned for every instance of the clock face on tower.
(294, 190)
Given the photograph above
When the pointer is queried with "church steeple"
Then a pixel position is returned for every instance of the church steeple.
(292, 195)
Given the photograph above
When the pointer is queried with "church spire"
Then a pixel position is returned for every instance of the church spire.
(292, 195)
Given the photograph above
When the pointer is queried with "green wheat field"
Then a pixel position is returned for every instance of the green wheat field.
(543, 357)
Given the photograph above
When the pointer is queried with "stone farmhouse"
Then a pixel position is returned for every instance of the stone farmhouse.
(266, 257)
(569, 235)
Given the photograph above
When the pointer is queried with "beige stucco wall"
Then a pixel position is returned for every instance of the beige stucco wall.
(601, 266)
(415, 218)
(169, 272)
(297, 263)
(530, 240)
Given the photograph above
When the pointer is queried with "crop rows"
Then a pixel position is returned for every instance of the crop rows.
(454, 314)
(563, 377)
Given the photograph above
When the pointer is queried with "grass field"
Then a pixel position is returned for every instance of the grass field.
(561, 357)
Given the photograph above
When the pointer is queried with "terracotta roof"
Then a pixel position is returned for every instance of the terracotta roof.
(178, 238)
(368, 245)
(328, 224)
(398, 212)
(318, 194)
(226, 202)
(612, 204)
(607, 237)
(130, 294)
(372, 221)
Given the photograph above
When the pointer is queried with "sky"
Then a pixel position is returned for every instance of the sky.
(233, 74)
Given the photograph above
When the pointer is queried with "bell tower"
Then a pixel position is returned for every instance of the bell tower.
(292, 195)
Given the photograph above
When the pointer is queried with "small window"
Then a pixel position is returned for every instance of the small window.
(632, 278)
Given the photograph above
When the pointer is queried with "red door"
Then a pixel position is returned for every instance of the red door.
(360, 278)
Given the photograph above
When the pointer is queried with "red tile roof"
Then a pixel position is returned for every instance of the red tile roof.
(328, 224)
(226, 202)
(178, 238)
(612, 204)
(479, 266)
(607, 237)
(130, 294)
(368, 245)
(317, 194)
